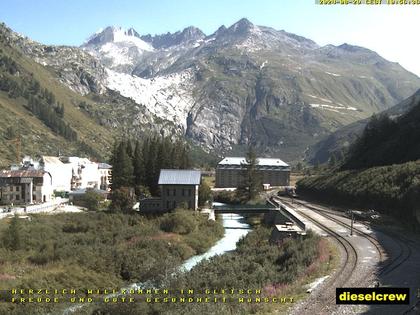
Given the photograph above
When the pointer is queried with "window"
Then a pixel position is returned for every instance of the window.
(17, 188)
(34, 197)
(167, 192)
(174, 191)
(167, 205)
(189, 192)
(17, 197)
(174, 204)
(183, 192)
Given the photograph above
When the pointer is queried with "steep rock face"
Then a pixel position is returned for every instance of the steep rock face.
(74, 67)
(189, 35)
(242, 84)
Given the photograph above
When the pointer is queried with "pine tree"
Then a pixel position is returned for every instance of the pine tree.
(251, 185)
(129, 149)
(138, 165)
(122, 167)
(204, 193)
(11, 238)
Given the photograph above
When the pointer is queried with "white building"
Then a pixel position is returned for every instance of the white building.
(105, 171)
(61, 172)
(71, 173)
(85, 173)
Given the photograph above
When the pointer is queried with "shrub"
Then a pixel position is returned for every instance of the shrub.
(92, 200)
(75, 228)
(179, 221)
(123, 199)
(227, 197)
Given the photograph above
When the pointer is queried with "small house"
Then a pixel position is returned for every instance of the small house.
(179, 187)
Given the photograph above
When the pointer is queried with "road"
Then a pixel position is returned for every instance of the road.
(59, 205)
(389, 256)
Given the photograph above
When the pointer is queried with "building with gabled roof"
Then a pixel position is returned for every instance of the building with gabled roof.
(177, 188)
(179, 177)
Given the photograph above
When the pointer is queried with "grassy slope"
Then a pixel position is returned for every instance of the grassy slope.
(36, 137)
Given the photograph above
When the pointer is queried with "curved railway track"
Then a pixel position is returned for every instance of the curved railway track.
(351, 257)
(404, 250)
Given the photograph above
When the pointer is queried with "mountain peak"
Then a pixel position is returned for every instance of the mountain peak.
(188, 35)
(243, 25)
(112, 34)
(132, 32)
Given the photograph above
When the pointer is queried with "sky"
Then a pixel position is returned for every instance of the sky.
(390, 30)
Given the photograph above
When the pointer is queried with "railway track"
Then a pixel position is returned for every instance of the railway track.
(404, 250)
(350, 260)
(388, 265)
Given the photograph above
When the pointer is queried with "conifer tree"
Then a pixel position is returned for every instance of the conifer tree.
(138, 165)
(251, 185)
(122, 167)
(11, 237)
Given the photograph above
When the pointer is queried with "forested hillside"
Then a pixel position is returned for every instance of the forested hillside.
(381, 170)
(385, 141)
(393, 189)
(39, 115)
(338, 143)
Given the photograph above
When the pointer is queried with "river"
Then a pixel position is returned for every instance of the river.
(235, 228)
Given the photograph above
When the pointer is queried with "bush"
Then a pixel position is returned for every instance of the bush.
(92, 200)
(75, 228)
(123, 199)
(46, 254)
(179, 221)
(226, 197)
(12, 236)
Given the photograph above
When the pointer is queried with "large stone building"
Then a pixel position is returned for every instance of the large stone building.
(230, 172)
(25, 186)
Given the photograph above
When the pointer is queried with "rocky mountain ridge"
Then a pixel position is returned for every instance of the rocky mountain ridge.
(243, 84)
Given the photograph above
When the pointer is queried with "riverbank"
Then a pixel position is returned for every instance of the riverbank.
(272, 276)
(97, 250)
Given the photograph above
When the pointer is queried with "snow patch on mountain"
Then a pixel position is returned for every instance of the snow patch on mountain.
(117, 47)
(331, 107)
(333, 74)
(168, 97)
